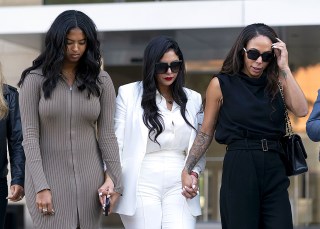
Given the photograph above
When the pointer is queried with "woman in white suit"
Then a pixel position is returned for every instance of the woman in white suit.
(156, 122)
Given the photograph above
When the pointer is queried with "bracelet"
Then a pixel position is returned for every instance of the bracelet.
(194, 174)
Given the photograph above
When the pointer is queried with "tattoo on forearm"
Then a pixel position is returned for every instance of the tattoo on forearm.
(199, 147)
(284, 74)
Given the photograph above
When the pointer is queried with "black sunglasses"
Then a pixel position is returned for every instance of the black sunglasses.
(162, 68)
(255, 54)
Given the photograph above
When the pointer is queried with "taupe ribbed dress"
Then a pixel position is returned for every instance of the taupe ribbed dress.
(63, 151)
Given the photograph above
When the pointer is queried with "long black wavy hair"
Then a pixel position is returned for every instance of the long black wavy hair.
(51, 58)
(234, 62)
(154, 51)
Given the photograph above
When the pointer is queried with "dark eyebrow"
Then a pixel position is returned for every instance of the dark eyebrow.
(74, 40)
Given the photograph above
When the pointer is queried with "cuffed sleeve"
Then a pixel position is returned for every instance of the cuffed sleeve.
(14, 136)
(29, 108)
(313, 123)
(106, 133)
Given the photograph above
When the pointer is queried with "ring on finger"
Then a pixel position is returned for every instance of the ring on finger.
(52, 212)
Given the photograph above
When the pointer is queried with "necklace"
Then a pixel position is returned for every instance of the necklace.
(67, 74)
(169, 101)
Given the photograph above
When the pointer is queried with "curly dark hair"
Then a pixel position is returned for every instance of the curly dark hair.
(234, 61)
(52, 57)
(154, 51)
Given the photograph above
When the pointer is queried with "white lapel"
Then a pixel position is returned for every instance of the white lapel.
(192, 111)
(144, 130)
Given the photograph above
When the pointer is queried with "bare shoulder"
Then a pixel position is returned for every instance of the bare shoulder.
(214, 89)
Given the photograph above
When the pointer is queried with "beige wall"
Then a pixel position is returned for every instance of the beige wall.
(20, 2)
(14, 59)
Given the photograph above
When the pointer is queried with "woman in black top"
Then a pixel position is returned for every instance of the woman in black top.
(11, 136)
(244, 110)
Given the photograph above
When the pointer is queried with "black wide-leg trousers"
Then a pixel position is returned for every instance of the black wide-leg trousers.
(3, 200)
(253, 193)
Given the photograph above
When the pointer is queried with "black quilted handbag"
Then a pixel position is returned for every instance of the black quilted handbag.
(294, 157)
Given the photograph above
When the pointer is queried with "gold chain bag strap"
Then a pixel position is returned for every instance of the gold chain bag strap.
(294, 156)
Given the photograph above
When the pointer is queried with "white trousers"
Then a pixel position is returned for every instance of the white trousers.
(160, 204)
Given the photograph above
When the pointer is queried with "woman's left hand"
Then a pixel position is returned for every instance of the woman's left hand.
(281, 52)
(17, 193)
(107, 190)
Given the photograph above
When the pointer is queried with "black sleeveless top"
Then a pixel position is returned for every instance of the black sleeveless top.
(247, 108)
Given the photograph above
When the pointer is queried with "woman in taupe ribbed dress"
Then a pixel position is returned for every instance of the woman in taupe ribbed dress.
(67, 108)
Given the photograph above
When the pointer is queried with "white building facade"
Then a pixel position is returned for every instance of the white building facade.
(205, 31)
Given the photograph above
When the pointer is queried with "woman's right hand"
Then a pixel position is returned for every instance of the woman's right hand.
(107, 191)
(189, 185)
(44, 202)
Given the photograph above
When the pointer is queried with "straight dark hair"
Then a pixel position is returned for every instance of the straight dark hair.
(234, 62)
(51, 58)
(154, 51)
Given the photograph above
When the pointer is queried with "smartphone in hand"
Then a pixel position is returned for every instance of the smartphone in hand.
(106, 207)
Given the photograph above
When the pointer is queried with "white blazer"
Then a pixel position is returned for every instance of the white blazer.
(132, 136)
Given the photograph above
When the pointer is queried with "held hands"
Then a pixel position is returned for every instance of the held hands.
(44, 202)
(280, 50)
(107, 190)
(189, 185)
(17, 193)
